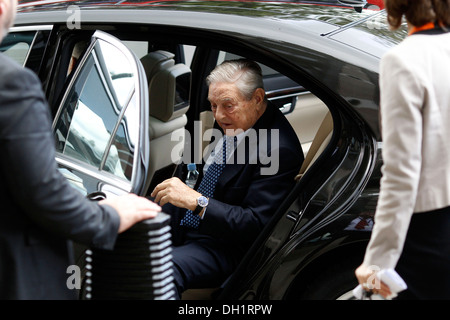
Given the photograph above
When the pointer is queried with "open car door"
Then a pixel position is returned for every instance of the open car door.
(101, 126)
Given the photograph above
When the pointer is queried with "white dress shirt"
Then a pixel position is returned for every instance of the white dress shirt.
(218, 148)
(415, 120)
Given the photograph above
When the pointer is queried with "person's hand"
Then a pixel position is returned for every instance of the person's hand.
(131, 209)
(176, 192)
(367, 279)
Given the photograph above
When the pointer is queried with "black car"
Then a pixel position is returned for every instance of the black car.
(118, 128)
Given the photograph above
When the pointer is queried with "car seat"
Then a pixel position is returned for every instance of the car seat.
(321, 140)
(169, 95)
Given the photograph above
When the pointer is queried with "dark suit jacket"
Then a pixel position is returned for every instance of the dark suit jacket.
(244, 200)
(39, 209)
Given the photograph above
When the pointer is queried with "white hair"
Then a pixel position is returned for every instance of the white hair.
(245, 74)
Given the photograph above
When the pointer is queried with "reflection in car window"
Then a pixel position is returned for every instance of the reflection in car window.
(124, 141)
(119, 69)
(16, 45)
(92, 113)
(378, 26)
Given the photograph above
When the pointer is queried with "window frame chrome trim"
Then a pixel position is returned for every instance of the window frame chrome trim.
(36, 28)
(104, 176)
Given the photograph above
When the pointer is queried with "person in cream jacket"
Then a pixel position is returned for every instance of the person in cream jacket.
(412, 219)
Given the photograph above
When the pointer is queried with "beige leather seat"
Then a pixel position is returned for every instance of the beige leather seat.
(169, 93)
(319, 143)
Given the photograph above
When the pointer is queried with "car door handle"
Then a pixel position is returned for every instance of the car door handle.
(96, 196)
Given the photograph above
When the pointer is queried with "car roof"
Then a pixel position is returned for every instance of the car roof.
(285, 10)
(330, 31)
(290, 17)
(280, 21)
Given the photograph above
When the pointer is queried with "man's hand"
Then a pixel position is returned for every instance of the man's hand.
(132, 209)
(176, 192)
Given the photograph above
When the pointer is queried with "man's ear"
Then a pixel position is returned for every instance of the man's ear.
(258, 95)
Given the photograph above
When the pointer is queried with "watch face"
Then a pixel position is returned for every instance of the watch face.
(202, 201)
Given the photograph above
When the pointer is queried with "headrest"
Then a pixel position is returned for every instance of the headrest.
(169, 85)
(156, 61)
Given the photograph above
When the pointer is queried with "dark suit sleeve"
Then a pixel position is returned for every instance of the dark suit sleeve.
(239, 215)
(30, 170)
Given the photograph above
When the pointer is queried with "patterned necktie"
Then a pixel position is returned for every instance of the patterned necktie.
(209, 181)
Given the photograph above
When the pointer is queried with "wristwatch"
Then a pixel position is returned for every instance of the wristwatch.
(202, 202)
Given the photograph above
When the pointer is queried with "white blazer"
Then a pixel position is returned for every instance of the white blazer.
(415, 120)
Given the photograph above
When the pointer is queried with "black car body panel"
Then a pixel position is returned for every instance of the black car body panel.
(318, 26)
(313, 243)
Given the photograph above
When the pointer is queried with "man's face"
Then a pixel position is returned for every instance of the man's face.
(8, 14)
(230, 108)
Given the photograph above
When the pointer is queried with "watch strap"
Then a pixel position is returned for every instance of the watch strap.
(197, 210)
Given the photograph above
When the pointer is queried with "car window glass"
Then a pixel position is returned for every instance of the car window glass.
(266, 71)
(124, 142)
(118, 72)
(16, 45)
(188, 54)
(140, 48)
(92, 113)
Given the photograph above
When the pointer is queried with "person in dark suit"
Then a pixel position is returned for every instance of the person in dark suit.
(230, 214)
(40, 210)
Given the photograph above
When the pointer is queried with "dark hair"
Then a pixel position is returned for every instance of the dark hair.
(417, 12)
(442, 10)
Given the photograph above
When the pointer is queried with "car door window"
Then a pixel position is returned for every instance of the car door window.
(16, 45)
(98, 121)
(26, 45)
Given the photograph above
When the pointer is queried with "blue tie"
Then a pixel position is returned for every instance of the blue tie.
(209, 181)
